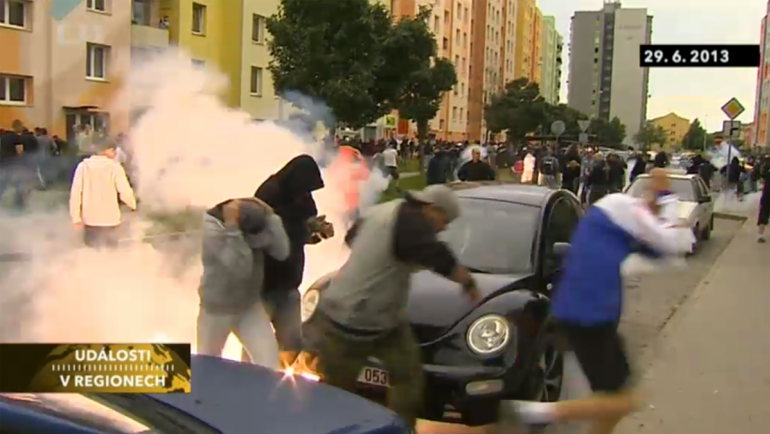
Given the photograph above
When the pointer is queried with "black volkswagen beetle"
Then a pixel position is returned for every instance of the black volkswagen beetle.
(511, 237)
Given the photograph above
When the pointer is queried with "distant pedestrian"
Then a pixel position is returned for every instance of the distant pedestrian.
(549, 170)
(98, 187)
(390, 163)
(764, 200)
(476, 169)
(362, 312)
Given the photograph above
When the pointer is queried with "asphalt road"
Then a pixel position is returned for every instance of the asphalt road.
(650, 302)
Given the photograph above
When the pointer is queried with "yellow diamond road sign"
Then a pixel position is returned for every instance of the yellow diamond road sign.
(733, 108)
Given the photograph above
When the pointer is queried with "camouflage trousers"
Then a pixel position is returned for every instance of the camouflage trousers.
(342, 357)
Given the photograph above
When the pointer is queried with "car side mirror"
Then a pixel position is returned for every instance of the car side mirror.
(705, 199)
(559, 250)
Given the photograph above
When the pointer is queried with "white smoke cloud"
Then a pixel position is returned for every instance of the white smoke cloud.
(189, 151)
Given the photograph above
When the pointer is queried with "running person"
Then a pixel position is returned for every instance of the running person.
(587, 307)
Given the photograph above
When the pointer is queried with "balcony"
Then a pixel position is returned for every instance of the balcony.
(148, 37)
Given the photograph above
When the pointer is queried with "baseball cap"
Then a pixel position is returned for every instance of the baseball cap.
(440, 196)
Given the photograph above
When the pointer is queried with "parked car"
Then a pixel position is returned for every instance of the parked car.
(696, 204)
(227, 398)
(512, 238)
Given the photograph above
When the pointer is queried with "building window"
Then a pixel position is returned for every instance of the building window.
(256, 81)
(198, 63)
(199, 19)
(446, 18)
(454, 114)
(13, 13)
(436, 23)
(445, 43)
(96, 5)
(258, 23)
(96, 61)
(457, 37)
(441, 124)
(465, 39)
(13, 90)
(459, 11)
(141, 12)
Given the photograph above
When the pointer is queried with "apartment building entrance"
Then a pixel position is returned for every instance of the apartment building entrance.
(99, 121)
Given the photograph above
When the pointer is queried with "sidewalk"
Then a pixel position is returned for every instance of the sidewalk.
(711, 370)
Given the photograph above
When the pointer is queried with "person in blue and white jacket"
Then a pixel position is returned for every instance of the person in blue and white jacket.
(588, 302)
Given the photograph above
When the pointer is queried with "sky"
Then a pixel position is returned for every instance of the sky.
(691, 93)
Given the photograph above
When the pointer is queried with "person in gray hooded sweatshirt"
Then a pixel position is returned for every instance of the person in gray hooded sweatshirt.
(236, 235)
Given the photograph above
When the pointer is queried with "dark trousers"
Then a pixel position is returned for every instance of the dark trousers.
(13, 178)
(341, 359)
(101, 236)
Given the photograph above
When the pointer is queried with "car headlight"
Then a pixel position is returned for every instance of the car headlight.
(309, 303)
(488, 334)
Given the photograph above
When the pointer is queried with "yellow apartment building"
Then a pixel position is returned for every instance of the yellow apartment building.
(525, 41)
(62, 66)
(231, 36)
(537, 47)
(675, 127)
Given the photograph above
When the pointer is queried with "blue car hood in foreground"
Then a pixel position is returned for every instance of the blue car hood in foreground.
(238, 398)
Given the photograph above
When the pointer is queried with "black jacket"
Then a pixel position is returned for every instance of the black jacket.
(289, 192)
(476, 171)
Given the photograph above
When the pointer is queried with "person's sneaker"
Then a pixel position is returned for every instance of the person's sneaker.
(509, 420)
(761, 240)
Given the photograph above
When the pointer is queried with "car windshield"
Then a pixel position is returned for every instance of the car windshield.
(681, 187)
(492, 236)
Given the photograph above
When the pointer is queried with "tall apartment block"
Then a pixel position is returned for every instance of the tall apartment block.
(451, 25)
(605, 79)
(493, 31)
(62, 66)
(550, 74)
(760, 135)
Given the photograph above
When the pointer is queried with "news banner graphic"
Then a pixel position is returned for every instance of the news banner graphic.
(95, 368)
(698, 56)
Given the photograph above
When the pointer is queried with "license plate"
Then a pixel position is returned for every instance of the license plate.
(373, 376)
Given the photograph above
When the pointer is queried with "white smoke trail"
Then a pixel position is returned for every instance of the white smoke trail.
(189, 151)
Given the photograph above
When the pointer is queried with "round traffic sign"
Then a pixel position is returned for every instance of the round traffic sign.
(558, 127)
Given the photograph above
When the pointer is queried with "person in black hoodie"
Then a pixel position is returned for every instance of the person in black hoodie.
(616, 173)
(660, 160)
(476, 169)
(571, 169)
(16, 170)
(290, 193)
(640, 166)
(598, 182)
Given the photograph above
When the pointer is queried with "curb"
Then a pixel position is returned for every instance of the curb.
(726, 216)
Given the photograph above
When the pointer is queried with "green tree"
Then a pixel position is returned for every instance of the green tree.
(608, 133)
(519, 110)
(422, 97)
(650, 134)
(696, 137)
(346, 53)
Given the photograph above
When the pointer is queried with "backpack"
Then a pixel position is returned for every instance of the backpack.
(549, 166)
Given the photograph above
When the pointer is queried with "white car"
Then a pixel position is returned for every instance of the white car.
(696, 204)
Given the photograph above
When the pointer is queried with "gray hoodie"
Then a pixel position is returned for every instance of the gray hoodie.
(233, 263)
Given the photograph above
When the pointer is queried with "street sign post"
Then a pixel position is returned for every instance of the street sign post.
(731, 129)
(584, 124)
(732, 109)
(583, 138)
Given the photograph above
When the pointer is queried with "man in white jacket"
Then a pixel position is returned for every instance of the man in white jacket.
(98, 187)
